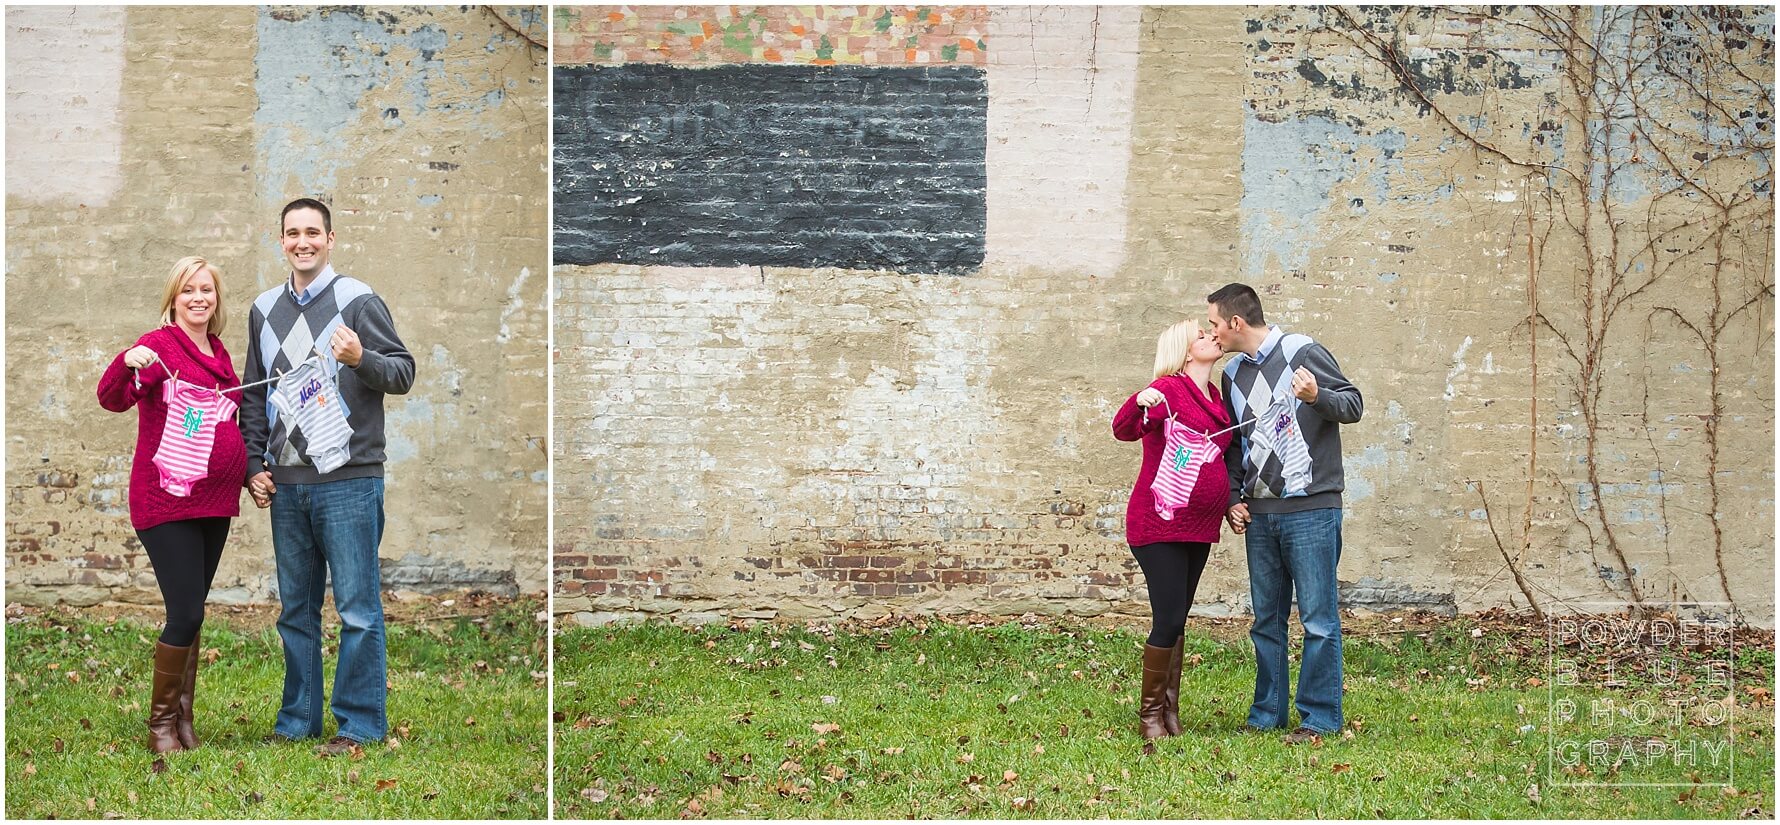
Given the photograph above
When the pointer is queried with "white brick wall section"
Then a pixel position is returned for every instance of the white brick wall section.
(1062, 81)
(64, 76)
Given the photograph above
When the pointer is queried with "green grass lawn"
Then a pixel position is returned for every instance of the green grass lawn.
(941, 720)
(466, 711)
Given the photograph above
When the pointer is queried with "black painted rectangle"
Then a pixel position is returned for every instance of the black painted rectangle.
(752, 165)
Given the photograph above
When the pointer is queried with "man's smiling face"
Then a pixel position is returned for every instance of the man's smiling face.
(307, 242)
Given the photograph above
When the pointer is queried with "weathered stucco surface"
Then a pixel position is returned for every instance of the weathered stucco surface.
(763, 441)
(425, 130)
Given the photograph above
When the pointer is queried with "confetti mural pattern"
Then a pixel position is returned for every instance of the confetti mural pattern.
(787, 35)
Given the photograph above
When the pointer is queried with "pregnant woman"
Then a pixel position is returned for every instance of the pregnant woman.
(186, 478)
(1172, 550)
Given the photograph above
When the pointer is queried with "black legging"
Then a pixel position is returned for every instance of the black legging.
(185, 555)
(1171, 571)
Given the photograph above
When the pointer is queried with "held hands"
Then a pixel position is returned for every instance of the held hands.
(1150, 397)
(1238, 518)
(139, 356)
(262, 489)
(1304, 385)
(347, 349)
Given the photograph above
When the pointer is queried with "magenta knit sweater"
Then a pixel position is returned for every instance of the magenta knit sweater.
(219, 493)
(1201, 408)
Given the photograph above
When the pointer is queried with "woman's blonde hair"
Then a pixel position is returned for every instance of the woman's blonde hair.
(183, 271)
(1172, 346)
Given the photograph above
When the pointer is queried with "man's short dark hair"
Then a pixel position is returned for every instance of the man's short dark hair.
(327, 218)
(1238, 299)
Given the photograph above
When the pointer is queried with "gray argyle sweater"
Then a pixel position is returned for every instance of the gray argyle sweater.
(280, 334)
(1296, 465)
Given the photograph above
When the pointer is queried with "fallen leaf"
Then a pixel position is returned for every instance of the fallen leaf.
(1021, 803)
(1340, 767)
(1009, 776)
(790, 766)
(470, 722)
(595, 795)
(825, 727)
(92, 804)
(1533, 793)
(385, 784)
(254, 798)
(966, 758)
(31, 767)
(57, 746)
(892, 751)
(158, 766)
(1038, 750)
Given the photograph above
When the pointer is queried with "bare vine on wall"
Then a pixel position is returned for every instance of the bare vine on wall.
(1653, 163)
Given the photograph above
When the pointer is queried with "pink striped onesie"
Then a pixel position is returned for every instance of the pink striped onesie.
(192, 415)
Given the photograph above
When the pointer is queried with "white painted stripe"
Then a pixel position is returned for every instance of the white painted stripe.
(64, 82)
(1062, 87)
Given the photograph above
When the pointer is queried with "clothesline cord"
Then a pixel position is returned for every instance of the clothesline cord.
(1238, 426)
(136, 373)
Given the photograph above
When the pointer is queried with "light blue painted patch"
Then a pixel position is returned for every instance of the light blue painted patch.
(1479, 514)
(1387, 277)
(430, 200)
(311, 76)
(1359, 486)
(414, 416)
(1289, 174)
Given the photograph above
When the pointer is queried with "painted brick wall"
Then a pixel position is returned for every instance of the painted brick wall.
(186, 130)
(816, 442)
(849, 166)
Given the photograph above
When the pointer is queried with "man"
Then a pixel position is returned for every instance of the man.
(1285, 497)
(323, 483)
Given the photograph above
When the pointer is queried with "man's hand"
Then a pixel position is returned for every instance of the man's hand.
(139, 356)
(1238, 519)
(262, 489)
(1150, 397)
(347, 349)
(1304, 385)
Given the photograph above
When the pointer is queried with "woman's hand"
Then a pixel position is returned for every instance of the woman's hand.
(139, 356)
(1150, 397)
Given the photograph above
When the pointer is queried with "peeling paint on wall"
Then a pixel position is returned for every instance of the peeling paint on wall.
(63, 144)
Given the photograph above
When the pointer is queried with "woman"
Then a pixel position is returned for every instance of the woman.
(1172, 552)
(186, 479)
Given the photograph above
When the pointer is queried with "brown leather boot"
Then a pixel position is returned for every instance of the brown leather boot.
(1170, 689)
(188, 738)
(1151, 702)
(163, 698)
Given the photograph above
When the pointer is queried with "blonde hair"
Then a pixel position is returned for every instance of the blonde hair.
(184, 270)
(1172, 346)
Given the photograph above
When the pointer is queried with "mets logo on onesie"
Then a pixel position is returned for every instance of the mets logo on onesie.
(310, 390)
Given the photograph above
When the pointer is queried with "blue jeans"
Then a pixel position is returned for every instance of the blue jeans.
(316, 528)
(1287, 551)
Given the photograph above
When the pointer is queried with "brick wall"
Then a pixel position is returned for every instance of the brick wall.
(764, 440)
(773, 441)
(137, 136)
